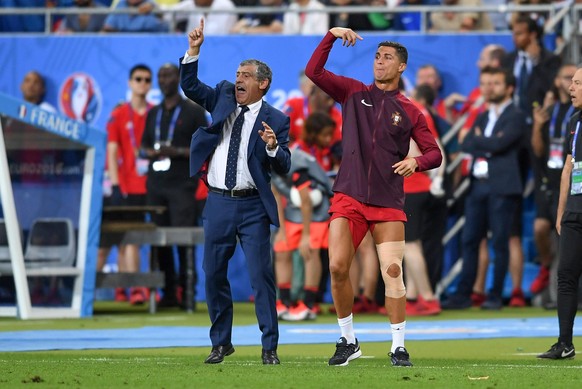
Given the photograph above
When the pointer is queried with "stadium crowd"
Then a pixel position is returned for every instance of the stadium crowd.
(288, 17)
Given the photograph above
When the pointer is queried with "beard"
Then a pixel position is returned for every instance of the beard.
(496, 99)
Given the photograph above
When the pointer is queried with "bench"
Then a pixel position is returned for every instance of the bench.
(144, 233)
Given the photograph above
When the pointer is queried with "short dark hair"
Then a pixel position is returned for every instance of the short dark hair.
(139, 66)
(507, 74)
(426, 93)
(263, 71)
(400, 49)
(532, 26)
(498, 53)
(316, 122)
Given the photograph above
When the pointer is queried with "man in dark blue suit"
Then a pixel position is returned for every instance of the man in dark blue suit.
(237, 166)
(494, 142)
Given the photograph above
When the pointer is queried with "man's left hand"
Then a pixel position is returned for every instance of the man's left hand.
(268, 136)
(405, 168)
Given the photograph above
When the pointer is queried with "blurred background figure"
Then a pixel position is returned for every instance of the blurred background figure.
(33, 89)
(460, 21)
(166, 143)
(297, 21)
(255, 23)
(215, 23)
(145, 21)
(83, 22)
(126, 171)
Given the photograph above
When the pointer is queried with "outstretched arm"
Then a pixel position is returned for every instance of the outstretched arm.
(195, 39)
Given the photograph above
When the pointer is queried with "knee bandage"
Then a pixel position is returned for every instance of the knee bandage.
(390, 255)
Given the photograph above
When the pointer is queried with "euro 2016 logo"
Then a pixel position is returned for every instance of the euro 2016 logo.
(80, 98)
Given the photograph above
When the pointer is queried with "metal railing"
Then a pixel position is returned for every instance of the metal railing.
(555, 12)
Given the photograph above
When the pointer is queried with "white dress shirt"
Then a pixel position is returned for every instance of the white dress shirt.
(217, 164)
(480, 166)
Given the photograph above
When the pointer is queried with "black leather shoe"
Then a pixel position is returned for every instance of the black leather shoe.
(270, 357)
(218, 353)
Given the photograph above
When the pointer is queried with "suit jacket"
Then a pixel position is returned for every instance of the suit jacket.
(541, 78)
(501, 149)
(220, 102)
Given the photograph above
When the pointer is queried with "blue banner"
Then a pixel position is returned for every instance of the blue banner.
(87, 75)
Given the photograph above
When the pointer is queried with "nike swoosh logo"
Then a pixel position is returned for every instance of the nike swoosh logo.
(567, 354)
(366, 104)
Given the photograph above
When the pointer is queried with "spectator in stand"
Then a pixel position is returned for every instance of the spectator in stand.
(166, 143)
(548, 145)
(145, 21)
(306, 191)
(33, 88)
(362, 21)
(31, 22)
(541, 18)
(297, 21)
(460, 21)
(127, 171)
(217, 23)
(83, 22)
(496, 186)
(498, 19)
(271, 23)
(411, 21)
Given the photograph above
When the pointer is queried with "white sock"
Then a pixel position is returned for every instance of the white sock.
(347, 328)
(397, 335)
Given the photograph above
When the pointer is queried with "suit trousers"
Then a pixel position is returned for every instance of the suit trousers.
(484, 211)
(569, 272)
(225, 219)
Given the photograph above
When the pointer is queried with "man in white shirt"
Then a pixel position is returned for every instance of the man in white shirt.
(216, 23)
(300, 19)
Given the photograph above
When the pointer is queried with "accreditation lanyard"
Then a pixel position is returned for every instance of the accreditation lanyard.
(576, 187)
(131, 129)
(556, 143)
(554, 119)
(171, 128)
(575, 138)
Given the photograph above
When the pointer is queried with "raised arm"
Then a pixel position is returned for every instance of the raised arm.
(330, 83)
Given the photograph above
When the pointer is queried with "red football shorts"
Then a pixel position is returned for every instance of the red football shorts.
(362, 217)
(318, 233)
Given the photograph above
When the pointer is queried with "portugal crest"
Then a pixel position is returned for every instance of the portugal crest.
(396, 118)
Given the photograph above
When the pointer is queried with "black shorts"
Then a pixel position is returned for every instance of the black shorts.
(415, 207)
(517, 222)
(546, 204)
